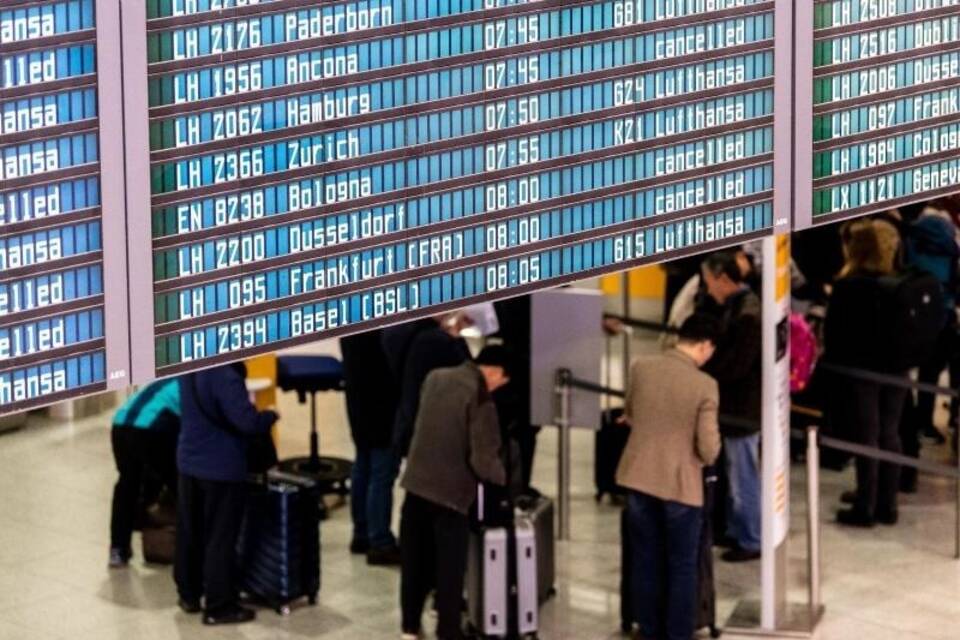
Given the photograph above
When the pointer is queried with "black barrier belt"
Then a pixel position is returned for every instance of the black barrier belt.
(825, 441)
(586, 385)
(850, 372)
(935, 468)
(648, 325)
(887, 379)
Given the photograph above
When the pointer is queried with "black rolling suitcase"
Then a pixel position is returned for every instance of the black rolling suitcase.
(707, 595)
(609, 444)
(279, 545)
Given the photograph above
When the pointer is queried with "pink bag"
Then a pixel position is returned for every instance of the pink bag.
(803, 353)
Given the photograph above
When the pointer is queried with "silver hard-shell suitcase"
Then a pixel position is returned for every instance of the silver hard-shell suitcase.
(488, 580)
(539, 512)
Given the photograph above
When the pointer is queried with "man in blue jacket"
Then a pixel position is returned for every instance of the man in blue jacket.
(217, 420)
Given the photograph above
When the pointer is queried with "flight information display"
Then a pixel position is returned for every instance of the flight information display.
(886, 95)
(321, 167)
(52, 302)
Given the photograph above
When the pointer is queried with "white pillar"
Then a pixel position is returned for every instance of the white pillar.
(775, 469)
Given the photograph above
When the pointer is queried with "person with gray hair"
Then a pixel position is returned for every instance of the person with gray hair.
(737, 368)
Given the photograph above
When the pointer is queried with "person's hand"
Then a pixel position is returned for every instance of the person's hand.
(456, 322)
(612, 326)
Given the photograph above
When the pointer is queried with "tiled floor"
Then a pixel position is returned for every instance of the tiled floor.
(55, 483)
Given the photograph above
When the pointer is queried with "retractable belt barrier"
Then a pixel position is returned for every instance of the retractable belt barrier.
(815, 440)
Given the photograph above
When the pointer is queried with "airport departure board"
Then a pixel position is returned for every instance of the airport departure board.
(52, 287)
(886, 95)
(190, 182)
(322, 167)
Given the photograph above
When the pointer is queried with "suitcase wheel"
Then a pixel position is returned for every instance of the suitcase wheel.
(312, 599)
(714, 631)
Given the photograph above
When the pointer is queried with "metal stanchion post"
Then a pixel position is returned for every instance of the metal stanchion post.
(813, 519)
(562, 392)
(956, 536)
(627, 335)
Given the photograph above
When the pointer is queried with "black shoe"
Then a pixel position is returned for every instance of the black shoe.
(384, 556)
(848, 497)
(230, 615)
(854, 518)
(190, 607)
(908, 484)
(888, 517)
(740, 555)
(359, 547)
(725, 542)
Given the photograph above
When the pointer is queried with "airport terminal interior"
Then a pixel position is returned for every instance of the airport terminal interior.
(56, 477)
(767, 190)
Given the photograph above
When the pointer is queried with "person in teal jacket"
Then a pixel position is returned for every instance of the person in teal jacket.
(144, 439)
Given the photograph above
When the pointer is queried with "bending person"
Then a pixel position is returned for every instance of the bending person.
(456, 444)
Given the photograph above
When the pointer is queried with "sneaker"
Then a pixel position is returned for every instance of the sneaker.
(231, 615)
(359, 547)
(188, 606)
(119, 558)
(384, 556)
(854, 518)
(740, 555)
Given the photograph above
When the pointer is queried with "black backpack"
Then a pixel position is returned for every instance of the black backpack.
(910, 318)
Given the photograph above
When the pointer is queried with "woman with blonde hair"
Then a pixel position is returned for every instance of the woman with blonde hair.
(852, 336)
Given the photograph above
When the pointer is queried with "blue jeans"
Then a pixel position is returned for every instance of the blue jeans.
(371, 496)
(743, 472)
(665, 542)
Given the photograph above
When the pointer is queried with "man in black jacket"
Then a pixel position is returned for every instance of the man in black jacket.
(737, 367)
(413, 350)
(217, 421)
(372, 396)
(513, 400)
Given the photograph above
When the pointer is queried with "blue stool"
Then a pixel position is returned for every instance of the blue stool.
(308, 375)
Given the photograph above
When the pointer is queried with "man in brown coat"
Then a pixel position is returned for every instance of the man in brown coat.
(671, 407)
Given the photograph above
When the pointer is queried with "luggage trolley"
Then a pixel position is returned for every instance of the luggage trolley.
(309, 375)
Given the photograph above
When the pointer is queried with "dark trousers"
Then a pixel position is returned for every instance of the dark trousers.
(371, 496)
(526, 437)
(909, 437)
(874, 416)
(665, 543)
(209, 514)
(138, 454)
(433, 546)
(929, 373)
